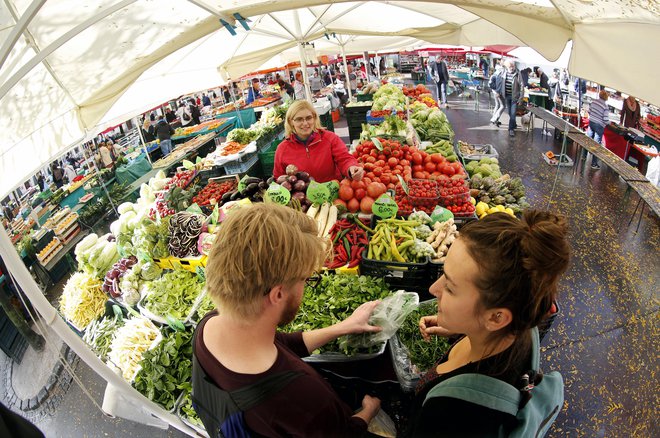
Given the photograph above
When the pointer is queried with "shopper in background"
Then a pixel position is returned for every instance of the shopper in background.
(69, 171)
(496, 84)
(41, 181)
(226, 95)
(483, 64)
(286, 88)
(315, 83)
(513, 92)
(169, 116)
(299, 86)
(194, 113)
(630, 113)
(543, 78)
(146, 131)
(327, 79)
(58, 174)
(206, 101)
(106, 158)
(256, 297)
(197, 101)
(498, 284)
(254, 92)
(441, 77)
(352, 79)
(554, 90)
(183, 114)
(309, 147)
(116, 148)
(164, 133)
(599, 116)
(524, 74)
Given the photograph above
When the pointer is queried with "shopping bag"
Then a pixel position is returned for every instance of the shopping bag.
(653, 171)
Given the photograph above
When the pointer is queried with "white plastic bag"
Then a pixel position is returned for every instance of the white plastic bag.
(382, 425)
(653, 171)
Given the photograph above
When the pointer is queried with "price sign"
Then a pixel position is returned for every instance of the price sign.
(333, 188)
(201, 273)
(377, 143)
(196, 209)
(318, 193)
(278, 194)
(385, 207)
(215, 215)
(441, 214)
(241, 184)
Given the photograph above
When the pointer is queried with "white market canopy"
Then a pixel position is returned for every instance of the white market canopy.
(64, 64)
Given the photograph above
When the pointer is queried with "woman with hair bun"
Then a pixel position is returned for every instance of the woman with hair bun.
(500, 280)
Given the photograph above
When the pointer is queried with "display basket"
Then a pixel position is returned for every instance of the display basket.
(377, 120)
(334, 357)
(160, 319)
(411, 277)
(242, 164)
(214, 172)
(482, 151)
(562, 160)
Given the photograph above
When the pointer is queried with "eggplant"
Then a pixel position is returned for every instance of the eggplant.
(235, 196)
(299, 196)
(286, 185)
(252, 188)
(227, 196)
(300, 186)
(264, 185)
(281, 179)
(252, 180)
(303, 176)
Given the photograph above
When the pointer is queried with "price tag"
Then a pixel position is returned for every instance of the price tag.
(194, 208)
(189, 165)
(385, 207)
(333, 188)
(201, 273)
(377, 143)
(404, 186)
(215, 215)
(441, 214)
(174, 323)
(318, 193)
(278, 194)
(241, 184)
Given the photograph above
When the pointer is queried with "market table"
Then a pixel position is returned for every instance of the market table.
(538, 98)
(246, 117)
(226, 126)
(615, 142)
(133, 170)
(56, 262)
(72, 198)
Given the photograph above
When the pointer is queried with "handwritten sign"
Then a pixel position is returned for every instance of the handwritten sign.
(278, 194)
(441, 214)
(318, 193)
(385, 207)
(333, 188)
(242, 184)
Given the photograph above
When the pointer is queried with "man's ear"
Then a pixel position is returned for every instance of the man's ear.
(276, 294)
(498, 318)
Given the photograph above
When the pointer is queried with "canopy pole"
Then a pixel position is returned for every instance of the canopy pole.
(346, 79)
(303, 64)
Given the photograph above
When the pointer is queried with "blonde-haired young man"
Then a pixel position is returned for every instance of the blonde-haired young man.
(256, 274)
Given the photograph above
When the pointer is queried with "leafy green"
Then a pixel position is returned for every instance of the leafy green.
(242, 135)
(188, 411)
(205, 306)
(422, 354)
(167, 369)
(333, 300)
(173, 294)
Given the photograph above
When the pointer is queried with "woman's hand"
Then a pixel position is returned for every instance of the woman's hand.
(355, 173)
(358, 322)
(428, 325)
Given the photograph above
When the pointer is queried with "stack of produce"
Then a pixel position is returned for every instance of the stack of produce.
(389, 97)
(358, 104)
(241, 136)
(359, 195)
(213, 192)
(165, 372)
(99, 335)
(325, 216)
(504, 191)
(423, 355)
(370, 88)
(184, 230)
(254, 191)
(395, 240)
(431, 123)
(420, 94)
(205, 306)
(296, 181)
(423, 194)
(350, 237)
(484, 168)
(384, 162)
(445, 148)
(173, 294)
(114, 275)
(393, 126)
(187, 411)
(181, 179)
(95, 255)
(333, 300)
(435, 166)
(455, 197)
(82, 300)
(130, 342)
(441, 238)
(137, 236)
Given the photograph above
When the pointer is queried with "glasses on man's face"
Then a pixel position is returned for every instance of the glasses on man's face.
(303, 119)
(313, 280)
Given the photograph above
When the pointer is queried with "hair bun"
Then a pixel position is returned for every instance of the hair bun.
(545, 246)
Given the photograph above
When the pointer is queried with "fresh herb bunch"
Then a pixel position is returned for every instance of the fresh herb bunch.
(188, 411)
(167, 369)
(422, 354)
(334, 300)
(173, 294)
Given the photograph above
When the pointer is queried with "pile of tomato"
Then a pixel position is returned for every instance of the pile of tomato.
(402, 201)
(384, 165)
(359, 195)
(214, 191)
(455, 197)
(423, 194)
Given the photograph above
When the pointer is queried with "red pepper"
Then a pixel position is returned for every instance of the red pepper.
(341, 253)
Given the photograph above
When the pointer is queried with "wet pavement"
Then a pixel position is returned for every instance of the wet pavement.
(604, 341)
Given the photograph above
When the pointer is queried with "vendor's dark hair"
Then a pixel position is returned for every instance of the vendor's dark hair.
(520, 263)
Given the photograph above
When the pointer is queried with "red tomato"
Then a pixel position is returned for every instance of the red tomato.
(436, 158)
(378, 172)
(429, 167)
(339, 202)
(345, 192)
(417, 158)
(382, 156)
(370, 159)
(404, 162)
(370, 175)
(353, 205)
(345, 181)
(367, 180)
(359, 194)
(385, 179)
(358, 185)
(419, 175)
(380, 163)
(427, 159)
(448, 170)
(392, 162)
(366, 204)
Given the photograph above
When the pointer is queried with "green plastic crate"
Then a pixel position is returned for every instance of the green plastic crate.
(267, 158)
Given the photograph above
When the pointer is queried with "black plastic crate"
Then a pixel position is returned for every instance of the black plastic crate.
(213, 172)
(412, 277)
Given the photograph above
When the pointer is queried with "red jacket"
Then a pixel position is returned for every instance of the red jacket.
(325, 157)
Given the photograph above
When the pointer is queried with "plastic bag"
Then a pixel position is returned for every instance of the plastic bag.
(389, 315)
(653, 171)
(382, 425)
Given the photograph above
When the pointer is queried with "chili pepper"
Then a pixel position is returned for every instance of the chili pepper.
(341, 253)
(347, 246)
(357, 221)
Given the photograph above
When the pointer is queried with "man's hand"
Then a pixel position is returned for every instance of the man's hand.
(358, 322)
(370, 407)
(355, 173)
(428, 325)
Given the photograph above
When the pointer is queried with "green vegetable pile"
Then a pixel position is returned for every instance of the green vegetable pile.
(242, 135)
(484, 168)
(445, 148)
(173, 294)
(506, 191)
(205, 306)
(430, 123)
(99, 335)
(333, 300)
(188, 412)
(167, 369)
(423, 355)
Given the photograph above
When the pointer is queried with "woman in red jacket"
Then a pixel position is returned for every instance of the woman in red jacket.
(311, 148)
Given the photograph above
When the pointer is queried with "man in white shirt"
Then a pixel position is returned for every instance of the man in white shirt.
(183, 114)
(106, 158)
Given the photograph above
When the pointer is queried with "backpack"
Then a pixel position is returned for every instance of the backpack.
(222, 411)
(534, 418)
(186, 116)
